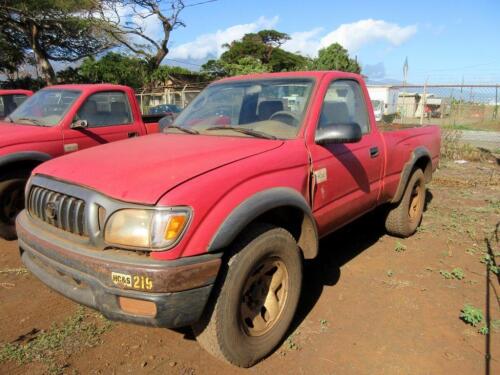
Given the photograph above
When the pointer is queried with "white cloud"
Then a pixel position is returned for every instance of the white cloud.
(207, 45)
(355, 35)
(352, 36)
(305, 42)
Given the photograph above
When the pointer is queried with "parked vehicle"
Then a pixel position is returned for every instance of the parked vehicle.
(56, 121)
(209, 224)
(384, 101)
(11, 99)
(165, 110)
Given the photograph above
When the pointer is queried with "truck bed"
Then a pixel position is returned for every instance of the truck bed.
(400, 141)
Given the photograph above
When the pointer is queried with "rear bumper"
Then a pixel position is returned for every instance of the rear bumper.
(177, 295)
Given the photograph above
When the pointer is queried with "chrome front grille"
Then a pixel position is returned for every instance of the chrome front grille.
(60, 210)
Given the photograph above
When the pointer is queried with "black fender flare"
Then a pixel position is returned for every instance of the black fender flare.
(24, 156)
(257, 205)
(417, 154)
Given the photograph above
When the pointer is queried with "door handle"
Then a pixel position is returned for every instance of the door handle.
(374, 152)
(133, 134)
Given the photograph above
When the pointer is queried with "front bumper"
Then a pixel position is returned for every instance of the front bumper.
(177, 293)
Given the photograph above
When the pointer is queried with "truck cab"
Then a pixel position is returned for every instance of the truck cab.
(11, 99)
(59, 120)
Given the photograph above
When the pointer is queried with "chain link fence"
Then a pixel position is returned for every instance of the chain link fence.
(474, 107)
(178, 96)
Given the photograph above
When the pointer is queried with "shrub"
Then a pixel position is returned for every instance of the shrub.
(471, 315)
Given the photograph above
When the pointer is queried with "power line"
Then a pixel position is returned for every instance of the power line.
(183, 62)
(200, 3)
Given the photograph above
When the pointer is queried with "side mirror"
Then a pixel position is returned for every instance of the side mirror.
(339, 133)
(79, 124)
(164, 122)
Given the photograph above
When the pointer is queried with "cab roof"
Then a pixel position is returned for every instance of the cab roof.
(317, 74)
(16, 92)
(90, 87)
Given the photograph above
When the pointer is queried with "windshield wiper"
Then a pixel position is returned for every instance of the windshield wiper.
(32, 120)
(253, 133)
(185, 130)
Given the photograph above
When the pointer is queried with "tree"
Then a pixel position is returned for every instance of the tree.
(214, 69)
(53, 30)
(245, 65)
(130, 30)
(115, 68)
(11, 55)
(255, 52)
(335, 57)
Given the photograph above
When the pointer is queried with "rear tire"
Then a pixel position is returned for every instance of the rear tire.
(11, 202)
(256, 297)
(404, 218)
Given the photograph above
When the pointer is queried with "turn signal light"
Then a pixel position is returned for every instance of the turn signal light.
(175, 226)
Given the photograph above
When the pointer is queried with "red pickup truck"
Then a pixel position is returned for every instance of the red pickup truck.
(208, 224)
(11, 99)
(56, 121)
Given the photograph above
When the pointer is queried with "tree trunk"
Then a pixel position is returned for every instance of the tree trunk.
(160, 55)
(42, 61)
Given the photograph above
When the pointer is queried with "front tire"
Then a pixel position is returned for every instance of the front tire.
(404, 218)
(256, 298)
(11, 202)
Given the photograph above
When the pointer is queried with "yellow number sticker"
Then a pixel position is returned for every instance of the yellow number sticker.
(143, 282)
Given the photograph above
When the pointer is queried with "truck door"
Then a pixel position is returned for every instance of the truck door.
(109, 118)
(347, 177)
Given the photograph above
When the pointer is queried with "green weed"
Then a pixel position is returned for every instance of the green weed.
(447, 275)
(484, 330)
(456, 273)
(78, 330)
(490, 263)
(399, 247)
(471, 315)
(290, 343)
(14, 271)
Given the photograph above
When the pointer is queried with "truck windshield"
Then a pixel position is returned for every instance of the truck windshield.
(267, 108)
(45, 108)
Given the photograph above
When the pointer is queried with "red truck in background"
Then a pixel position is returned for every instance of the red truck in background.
(59, 120)
(208, 225)
(11, 99)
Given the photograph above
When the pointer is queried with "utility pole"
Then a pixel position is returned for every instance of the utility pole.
(424, 100)
(495, 112)
(405, 78)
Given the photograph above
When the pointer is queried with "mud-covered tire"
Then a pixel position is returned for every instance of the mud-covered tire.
(229, 329)
(404, 217)
(11, 202)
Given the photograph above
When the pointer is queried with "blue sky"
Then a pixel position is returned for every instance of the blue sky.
(445, 41)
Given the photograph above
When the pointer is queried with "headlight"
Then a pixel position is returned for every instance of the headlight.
(148, 229)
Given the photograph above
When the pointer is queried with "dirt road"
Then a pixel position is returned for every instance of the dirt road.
(486, 139)
(371, 303)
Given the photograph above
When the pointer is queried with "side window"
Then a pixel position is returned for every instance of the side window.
(344, 103)
(9, 103)
(19, 99)
(106, 109)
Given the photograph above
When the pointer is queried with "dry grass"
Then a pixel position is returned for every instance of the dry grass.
(453, 149)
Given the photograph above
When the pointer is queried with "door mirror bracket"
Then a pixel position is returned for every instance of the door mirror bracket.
(79, 124)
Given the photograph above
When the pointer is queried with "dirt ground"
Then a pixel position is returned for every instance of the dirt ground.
(371, 303)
